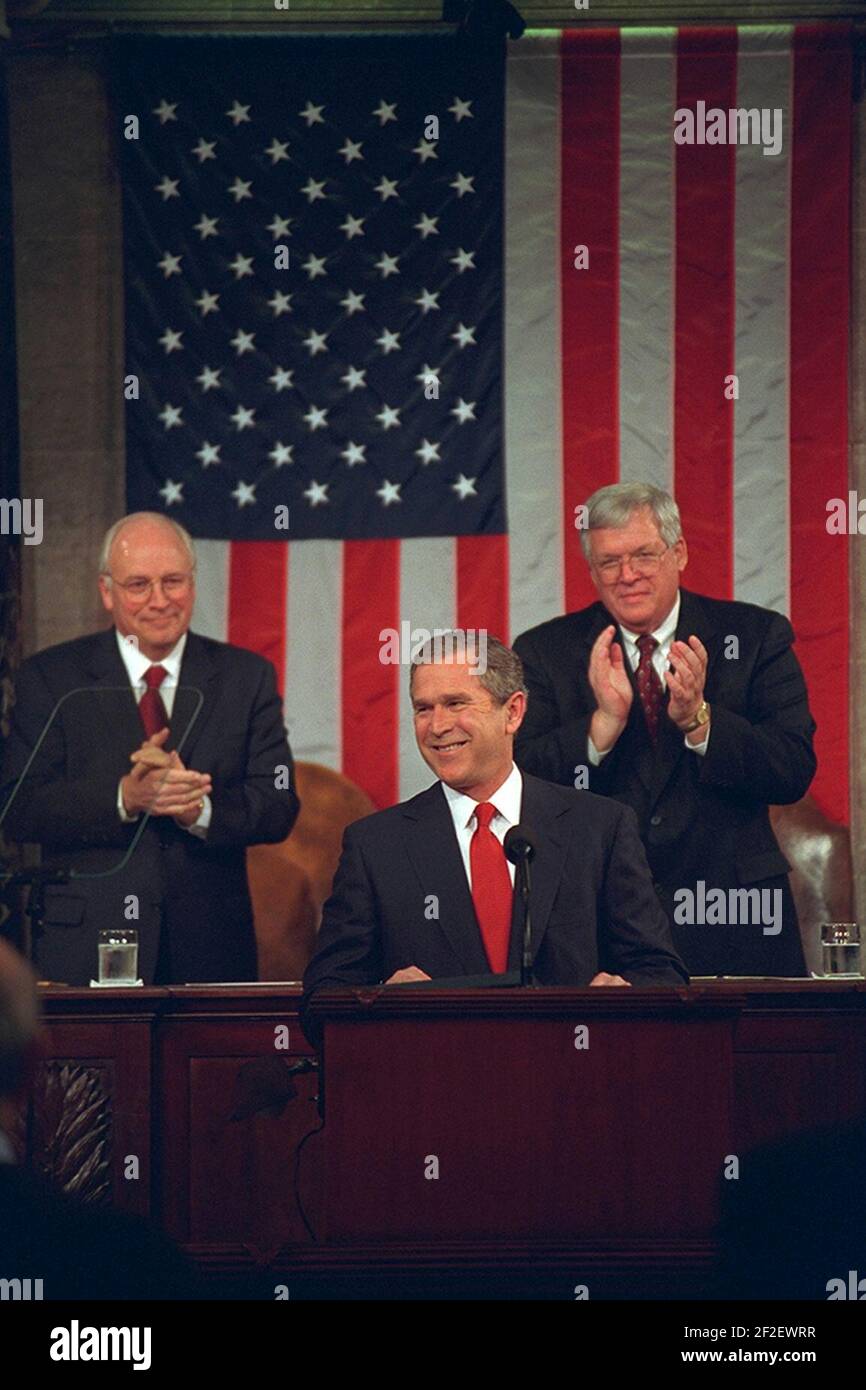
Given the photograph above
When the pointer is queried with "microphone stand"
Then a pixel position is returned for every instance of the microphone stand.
(38, 880)
(523, 887)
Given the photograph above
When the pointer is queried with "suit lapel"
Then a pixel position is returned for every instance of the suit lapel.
(118, 711)
(540, 814)
(435, 856)
(193, 700)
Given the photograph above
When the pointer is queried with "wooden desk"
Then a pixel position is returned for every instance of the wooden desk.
(635, 1127)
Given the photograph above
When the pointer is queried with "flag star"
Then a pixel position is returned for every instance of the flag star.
(389, 342)
(316, 418)
(170, 415)
(280, 303)
(170, 265)
(242, 342)
(351, 150)
(279, 227)
(427, 301)
(316, 493)
(206, 226)
(204, 150)
(464, 260)
(354, 453)
(241, 265)
(314, 266)
(312, 114)
(428, 453)
(244, 493)
(167, 187)
(460, 109)
(463, 410)
(282, 454)
(353, 303)
(353, 226)
(426, 149)
(172, 492)
(315, 342)
(165, 111)
(387, 264)
(171, 340)
(240, 189)
(277, 150)
(354, 378)
(243, 418)
(208, 303)
(238, 114)
(386, 111)
(208, 453)
(464, 487)
(463, 184)
(388, 416)
(389, 492)
(428, 373)
(427, 226)
(464, 336)
(281, 378)
(313, 189)
(386, 188)
(208, 378)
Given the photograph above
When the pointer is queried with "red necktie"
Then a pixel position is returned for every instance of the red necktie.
(151, 708)
(491, 888)
(649, 687)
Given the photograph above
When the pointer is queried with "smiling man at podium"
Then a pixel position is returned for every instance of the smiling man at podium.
(424, 890)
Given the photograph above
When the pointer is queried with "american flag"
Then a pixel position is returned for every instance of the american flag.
(355, 292)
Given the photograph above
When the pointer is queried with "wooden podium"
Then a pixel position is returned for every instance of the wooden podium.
(464, 1132)
(579, 1129)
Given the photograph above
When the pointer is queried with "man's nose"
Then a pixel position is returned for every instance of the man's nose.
(441, 720)
(159, 596)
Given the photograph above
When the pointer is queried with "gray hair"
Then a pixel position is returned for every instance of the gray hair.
(613, 506)
(19, 1018)
(113, 532)
(502, 678)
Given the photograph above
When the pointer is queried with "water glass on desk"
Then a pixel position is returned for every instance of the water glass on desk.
(118, 956)
(840, 949)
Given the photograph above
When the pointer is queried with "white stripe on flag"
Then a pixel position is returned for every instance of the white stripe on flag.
(761, 453)
(313, 677)
(211, 616)
(428, 599)
(646, 237)
(532, 366)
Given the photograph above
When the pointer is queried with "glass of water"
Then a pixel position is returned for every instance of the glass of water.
(840, 947)
(118, 956)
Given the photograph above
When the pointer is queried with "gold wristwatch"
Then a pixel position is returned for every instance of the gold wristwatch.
(702, 716)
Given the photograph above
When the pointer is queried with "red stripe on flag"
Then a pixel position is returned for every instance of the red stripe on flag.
(258, 572)
(705, 324)
(482, 584)
(820, 288)
(589, 216)
(370, 690)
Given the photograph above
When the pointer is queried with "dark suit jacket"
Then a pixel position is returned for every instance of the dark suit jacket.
(83, 1251)
(700, 817)
(193, 899)
(593, 906)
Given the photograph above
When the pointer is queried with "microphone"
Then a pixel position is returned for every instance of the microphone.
(519, 845)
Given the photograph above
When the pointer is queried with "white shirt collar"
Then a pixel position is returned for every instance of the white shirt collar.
(506, 799)
(137, 663)
(664, 632)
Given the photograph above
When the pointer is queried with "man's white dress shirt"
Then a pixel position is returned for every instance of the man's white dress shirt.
(506, 799)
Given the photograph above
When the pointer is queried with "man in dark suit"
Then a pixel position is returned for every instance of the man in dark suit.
(159, 846)
(423, 890)
(691, 710)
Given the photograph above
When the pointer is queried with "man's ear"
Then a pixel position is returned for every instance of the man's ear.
(682, 551)
(515, 707)
(105, 593)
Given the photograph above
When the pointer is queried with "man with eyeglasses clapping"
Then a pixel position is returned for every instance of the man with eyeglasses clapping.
(146, 758)
(691, 710)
